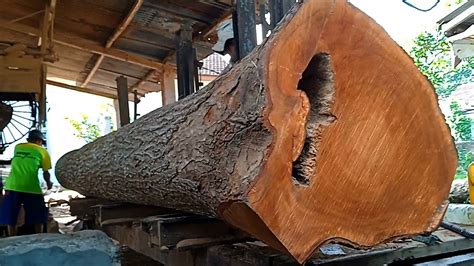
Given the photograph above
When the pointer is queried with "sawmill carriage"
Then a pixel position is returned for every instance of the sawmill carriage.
(254, 154)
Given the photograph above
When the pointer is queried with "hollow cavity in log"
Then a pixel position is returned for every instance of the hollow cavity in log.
(317, 83)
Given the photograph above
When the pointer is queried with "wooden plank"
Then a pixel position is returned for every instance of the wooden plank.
(110, 64)
(134, 237)
(107, 78)
(169, 231)
(168, 88)
(160, 39)
(23, 75)
(183, 12)
(149, 86)
(83, 206)
(117, 32)
(136, 46)
(113, 90)
(91, 73)
(81, 89)
(57, 71)
(10, 36)
(115, 211)
(87, 45)
(151, 74)
(124, 23)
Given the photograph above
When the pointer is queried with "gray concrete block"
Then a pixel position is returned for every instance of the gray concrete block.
(88, 248)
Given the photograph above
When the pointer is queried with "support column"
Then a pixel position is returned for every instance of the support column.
(244, 26)
(278, 9)
(135, 105)
(122, 95)
(185, 61)
(168, 89)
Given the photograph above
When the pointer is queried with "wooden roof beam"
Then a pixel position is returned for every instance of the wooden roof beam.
(85, 45)
(204, 33)
(140, 83)
(81, 89)
(118, 31)
(110, 95)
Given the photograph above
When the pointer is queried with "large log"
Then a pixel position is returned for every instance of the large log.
(326, 132)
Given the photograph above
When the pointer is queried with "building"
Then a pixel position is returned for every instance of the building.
(212, 66)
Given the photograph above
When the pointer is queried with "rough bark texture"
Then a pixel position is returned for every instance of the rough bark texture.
(459, 192)
(193, 155)
(326, 132)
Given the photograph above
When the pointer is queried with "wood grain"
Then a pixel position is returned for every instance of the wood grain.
(326, 132)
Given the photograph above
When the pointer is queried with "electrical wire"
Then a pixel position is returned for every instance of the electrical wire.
(420, 9)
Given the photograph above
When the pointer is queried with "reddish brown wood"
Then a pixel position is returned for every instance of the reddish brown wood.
(326, 132)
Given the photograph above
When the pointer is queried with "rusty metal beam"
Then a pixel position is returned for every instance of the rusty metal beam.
(85, 45)
(118, 31)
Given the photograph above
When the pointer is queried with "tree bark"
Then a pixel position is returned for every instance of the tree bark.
(326, 132)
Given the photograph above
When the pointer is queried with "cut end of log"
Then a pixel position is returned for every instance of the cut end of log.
(327, 132)
(354, 157)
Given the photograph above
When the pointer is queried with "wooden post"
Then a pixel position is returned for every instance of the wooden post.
(168, 93)
(185, 61)
(122, 93)
(117, 112)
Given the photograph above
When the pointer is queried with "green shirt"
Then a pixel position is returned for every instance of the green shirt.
(27, 160)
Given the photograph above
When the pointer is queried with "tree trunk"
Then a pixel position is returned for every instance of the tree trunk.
(327, 131)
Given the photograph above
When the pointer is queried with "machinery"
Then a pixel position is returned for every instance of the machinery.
(22, 94)
(23, 79)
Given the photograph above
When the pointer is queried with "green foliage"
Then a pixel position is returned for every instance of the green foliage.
(461, 123)
(465, 157)
(84, 129)
(432, 55)
(451, 3)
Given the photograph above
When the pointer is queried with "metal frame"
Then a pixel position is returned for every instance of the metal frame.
(278, 10)
(244, 23)
(185, 61)
(136, 100)
(176, 238)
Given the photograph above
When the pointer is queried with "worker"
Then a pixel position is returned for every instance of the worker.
(22, 186)
(470, 178)
(226, 42)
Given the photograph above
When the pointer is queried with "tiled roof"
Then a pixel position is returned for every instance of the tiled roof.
(213, 65)
(464, 95)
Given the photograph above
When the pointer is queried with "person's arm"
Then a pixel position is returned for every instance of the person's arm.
(46, 165)
(47, 179)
